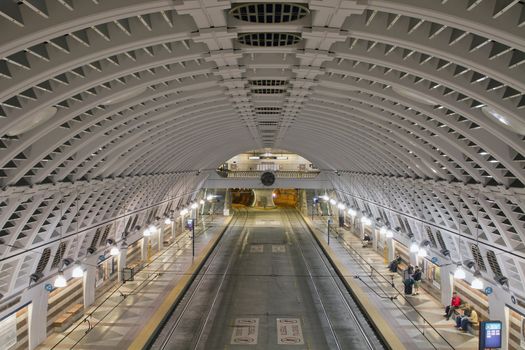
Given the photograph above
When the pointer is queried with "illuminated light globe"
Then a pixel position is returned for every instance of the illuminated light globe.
(152, 228)
(352, 212)
(60, 281)
(422, 252)
(114, 251)
(77, 272)
(341, 206)
(333, 201)
(460, 273)
(383, 230)
(194, 206)
(414, 248)
(146, 233)
(167, 221)
(389, 234)
(477, 283)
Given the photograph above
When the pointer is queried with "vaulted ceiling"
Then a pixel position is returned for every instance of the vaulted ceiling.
(143, 95)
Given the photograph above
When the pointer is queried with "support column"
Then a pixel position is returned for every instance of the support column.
(361, 230)
(144, 248)
(174, 227)
(375, 237)
(227, 203)
(160, 236)
(390, 244)
(498, 311)
(89, 281)
(121, 264)
(447, 283)
(37, 317)
(413, 258)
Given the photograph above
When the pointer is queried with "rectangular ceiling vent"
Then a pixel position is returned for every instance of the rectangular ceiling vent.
(269, 91)
(268, 82)
(268, 123)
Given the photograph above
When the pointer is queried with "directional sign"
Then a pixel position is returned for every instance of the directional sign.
(434, 260)
(488, 290)
(48, 287)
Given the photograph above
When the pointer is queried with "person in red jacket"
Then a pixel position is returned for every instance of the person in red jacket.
(455, 303)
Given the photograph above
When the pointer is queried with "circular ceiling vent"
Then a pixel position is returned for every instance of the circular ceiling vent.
(269, 13)
(269, 39)
(267, 178)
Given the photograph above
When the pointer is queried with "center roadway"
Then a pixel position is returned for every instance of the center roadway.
(267, 286)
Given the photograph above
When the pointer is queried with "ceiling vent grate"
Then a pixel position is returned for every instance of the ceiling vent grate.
(268, 123)
(269, 39)
(267, 82)
(262, 109)
(268, 91)
(269, 13)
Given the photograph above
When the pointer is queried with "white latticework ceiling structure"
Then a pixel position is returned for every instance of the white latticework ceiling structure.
(113, 111)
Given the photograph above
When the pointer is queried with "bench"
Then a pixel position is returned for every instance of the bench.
(472, 328)
(66, 319)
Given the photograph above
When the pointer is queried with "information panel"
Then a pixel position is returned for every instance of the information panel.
(490, 334)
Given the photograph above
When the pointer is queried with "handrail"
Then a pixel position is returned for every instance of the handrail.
(348, 246)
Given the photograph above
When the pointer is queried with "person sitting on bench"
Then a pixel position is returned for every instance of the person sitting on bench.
(367, 240)
(455, 303)
(470, 317)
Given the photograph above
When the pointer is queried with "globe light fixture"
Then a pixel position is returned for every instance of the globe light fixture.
(459, 273)
(78, 271)
(60, 280)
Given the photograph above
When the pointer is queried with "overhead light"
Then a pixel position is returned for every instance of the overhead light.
(32, 121)
(254, 157)
(78, 271)
(60, 280)
(509, 122)
(146, 233)
(414, 247)
(274, 195)
(414, 96)
(152, 228)
(383, 230)
(477, 283)
(333, 201)
(459, 273)
(201, 201)
(125, 95)
(167, 221)
(194, 205)
(365, 221)
(352, 212)
(282, 158)
(209, 198)
(114, 251)
(341, 206)
(422, 252)
(183, 212)
(389, 234)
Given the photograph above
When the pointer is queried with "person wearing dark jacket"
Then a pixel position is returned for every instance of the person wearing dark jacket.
(394, 264)
(416, 276)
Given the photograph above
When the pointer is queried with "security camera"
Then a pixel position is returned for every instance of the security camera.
(34, 277)
(445, 252)
(91, 250)
(502, 280)
(67, 261)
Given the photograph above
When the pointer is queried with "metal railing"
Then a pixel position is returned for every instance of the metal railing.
(373, 273)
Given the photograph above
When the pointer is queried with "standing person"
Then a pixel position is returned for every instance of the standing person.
(409, 283)
(455, 303)
(417, 279)
(408, 272)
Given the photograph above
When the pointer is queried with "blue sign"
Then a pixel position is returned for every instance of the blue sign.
(488, 290)
(490, 334)
(101, 257)
(434, 260)
(48, 287)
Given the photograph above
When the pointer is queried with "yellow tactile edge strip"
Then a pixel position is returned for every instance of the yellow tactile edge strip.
(385, 331)
(147, 333)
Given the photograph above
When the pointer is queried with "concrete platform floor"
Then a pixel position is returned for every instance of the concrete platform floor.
(121, 312)
(414, 331)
